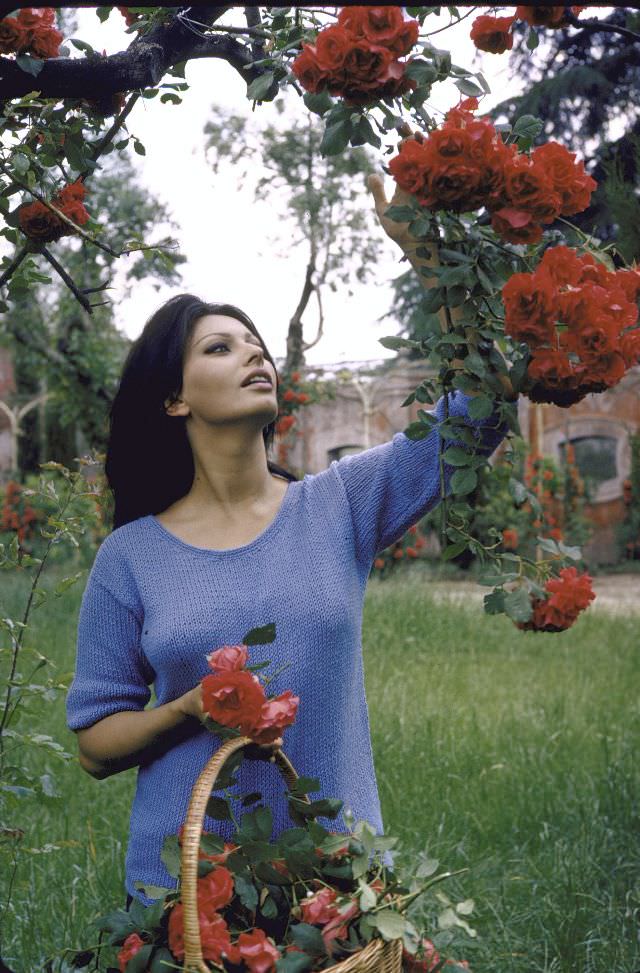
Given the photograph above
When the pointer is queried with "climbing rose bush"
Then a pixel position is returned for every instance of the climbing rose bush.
(358, 58)
(31, 31)
(579, 321)
(43, 225)
(465, 165)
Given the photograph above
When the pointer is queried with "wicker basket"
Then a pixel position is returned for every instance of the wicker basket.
(376, 957)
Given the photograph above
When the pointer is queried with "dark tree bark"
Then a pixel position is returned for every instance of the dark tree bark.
(142, 65)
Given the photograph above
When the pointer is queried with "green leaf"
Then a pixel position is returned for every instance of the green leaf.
(263, 88)
(362, 133)
(246, 892)
(257, 825)
(453, 550)
(210, 844)
(517, 605)
(494, 602)
(304, 785)
(394, 343)
(294, 963)
(218, 809)
(267, 873)
(318, 103)
(81, 45)
(30, 65)
(457, 456)
(464, 481)
(528, 126)
(480, 407)
(328, 807)
(417, 430)
(152, 891)
(548, 544)
(260, 636)
(467, 87)
(390, 924)
(170, 855)
(400, 214)
(269, 909)
(433, 300)
(138, 146)
(336, 137)
(532, 39)
(573, 553)
(308, 938)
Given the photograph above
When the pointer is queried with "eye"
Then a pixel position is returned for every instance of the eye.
(220, 344)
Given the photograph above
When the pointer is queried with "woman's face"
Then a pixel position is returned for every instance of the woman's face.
(220, 355)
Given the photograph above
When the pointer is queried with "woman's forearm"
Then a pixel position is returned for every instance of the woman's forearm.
(125, 739)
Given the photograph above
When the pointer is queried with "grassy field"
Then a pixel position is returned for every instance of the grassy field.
(508, 753)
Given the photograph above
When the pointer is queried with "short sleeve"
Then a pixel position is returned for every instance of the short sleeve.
(112, 673)
(391, 486)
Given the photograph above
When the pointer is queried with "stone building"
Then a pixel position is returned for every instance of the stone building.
(599, 429)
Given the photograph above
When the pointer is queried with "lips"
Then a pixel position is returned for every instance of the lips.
(258, 373)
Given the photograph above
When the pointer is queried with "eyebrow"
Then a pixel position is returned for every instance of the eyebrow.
(225, 334)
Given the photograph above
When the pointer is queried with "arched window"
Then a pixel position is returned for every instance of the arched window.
(596, 458)
(339, 451)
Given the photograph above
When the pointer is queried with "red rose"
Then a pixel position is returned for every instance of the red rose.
(215, 890)
(73, 210)
(289, 395)
(411, 552)
(45, 42)
(337, 927)
(608, 370)
(363, 65)
(516, 226)
(33, 17)
(492, 34)
(39, 223)
(409, 167)
(510, 538)
(230, 658)
(561, 264)
(549, 366)
(295, 376)
(318, 909)
(378, 563)
(529, 188)
(284, 424)
(132, 945)
(384, 26)
(332, 45)
(12, 36)
(630, 347)
(73, 191)
(302, 398)
(530, 302)
(257, 952)
(568, 595)
(568, 177)
(215, 938)
(429, 962)
(308, 71)
(453, 186)
(129, 17)
(629, 280)
(276, 714)
(233, 699)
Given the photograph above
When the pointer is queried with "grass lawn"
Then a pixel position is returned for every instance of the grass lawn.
(508, 753)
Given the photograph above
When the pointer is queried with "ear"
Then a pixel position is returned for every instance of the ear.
(175, 406)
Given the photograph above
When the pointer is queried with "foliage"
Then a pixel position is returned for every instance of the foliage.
(405, 549)
(61, 499)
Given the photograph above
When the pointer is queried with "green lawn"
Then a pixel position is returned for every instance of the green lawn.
(508, 753)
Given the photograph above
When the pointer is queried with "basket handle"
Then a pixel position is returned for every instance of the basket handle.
(193, 958)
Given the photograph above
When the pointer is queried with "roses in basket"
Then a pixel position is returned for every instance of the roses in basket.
(306, 900)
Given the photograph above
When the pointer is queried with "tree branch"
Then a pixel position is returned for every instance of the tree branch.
(13, 266)
(597, 25)
(142, 65)
(68, 280)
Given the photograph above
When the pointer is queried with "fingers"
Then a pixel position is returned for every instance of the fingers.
(376, 187)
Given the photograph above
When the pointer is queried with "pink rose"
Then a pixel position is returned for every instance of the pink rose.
(229, 658)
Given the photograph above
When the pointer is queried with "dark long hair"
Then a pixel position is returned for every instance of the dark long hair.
(149, 462)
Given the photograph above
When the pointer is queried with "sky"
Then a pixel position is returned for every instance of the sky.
(236, 249)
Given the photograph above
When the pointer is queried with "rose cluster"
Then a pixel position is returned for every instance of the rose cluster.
(429, 960)
(567, 596)
(42, 225)
(31, 31)
(578, 319)
(17, 514)
(465, 165)
(234, 697)
(358, 57)
(493, 34)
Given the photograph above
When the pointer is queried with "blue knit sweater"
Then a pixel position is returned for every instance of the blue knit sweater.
(154, 606)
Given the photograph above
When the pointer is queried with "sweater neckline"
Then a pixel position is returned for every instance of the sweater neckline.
(257, 541)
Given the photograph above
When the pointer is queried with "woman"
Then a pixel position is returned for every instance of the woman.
(210, 540)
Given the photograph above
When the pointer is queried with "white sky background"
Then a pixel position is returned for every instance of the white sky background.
(236, 248)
